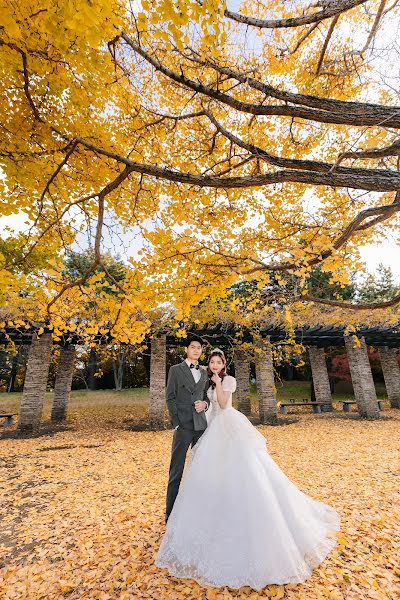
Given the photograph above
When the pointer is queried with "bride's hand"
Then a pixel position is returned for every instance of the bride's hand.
(216, 378)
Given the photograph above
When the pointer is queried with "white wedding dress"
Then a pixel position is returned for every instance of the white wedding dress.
(238, 520)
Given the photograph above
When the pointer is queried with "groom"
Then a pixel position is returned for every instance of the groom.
(187, 402)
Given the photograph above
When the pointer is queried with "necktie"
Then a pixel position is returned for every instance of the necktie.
(192, 366)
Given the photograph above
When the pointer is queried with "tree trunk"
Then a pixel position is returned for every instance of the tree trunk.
(13, 374)
(361, 375)
(146, 364)
(242, 372)
(290, 372)
(265, 381)
(320, 379)
(92, 367)
(119, 362)
(62, 386)
(37, 372)
(157, 382)
(391, 373)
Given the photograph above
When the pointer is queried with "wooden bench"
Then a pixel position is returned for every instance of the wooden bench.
(316, 406)
(8, 418)
(347, 405)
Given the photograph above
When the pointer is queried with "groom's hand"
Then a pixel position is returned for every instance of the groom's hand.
(200, 405)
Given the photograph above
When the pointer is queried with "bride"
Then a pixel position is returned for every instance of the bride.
(238, 520)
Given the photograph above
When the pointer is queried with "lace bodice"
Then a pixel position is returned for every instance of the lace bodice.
(228, 385)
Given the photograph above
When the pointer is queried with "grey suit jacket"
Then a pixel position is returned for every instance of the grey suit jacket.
(182, 392)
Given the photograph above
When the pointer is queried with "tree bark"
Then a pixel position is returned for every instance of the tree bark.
(242, 372)
(35, 383)
(62, 387)
(374, 180)
(361, 375)
(157, 382)
(92, 367)
(146, 364)
(13, 374)
(119, 362)
(265, 381)
(328, 10)
(320, 379)
(391, 374)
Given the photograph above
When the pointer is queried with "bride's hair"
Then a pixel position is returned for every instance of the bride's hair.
(222, 373)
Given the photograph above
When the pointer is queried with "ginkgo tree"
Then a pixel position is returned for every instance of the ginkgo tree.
(235, 145)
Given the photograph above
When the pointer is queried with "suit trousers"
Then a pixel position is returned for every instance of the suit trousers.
(183, 438)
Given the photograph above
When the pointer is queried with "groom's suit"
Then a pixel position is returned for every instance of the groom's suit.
(182, 392)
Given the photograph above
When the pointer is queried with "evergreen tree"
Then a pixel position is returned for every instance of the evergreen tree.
(378, 287)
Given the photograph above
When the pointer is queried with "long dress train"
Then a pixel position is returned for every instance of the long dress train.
(238, 520)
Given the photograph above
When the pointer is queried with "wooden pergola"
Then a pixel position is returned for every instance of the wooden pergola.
(316, 339)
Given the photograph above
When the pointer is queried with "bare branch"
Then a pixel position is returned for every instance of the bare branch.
(375, 26)
(304, 37)
(326, 42)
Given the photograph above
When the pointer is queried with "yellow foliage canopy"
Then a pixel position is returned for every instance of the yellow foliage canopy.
(227, 156)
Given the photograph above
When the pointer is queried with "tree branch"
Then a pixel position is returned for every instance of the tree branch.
(383, 212)
(325, 111)
(112, 185)
(26, 77)
(326, 42)
(336, 8)
(304, 37)
(377, 180)
(49, 226)
(279, 161)
(350, 305)
(392, 150)
(375, 26)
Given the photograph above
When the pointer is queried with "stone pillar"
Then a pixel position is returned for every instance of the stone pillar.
(361, 375)
(266, 389)
(391, 374)
(37, 371)
(242, 372)
(320, 379)
(157, 381)
(62, 386)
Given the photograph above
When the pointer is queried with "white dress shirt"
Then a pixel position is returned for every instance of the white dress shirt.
(195, 372)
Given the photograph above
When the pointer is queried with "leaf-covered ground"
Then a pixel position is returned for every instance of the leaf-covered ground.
(82, 510)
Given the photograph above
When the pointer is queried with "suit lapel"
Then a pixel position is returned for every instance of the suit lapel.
(188, 375)
(203, 374)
